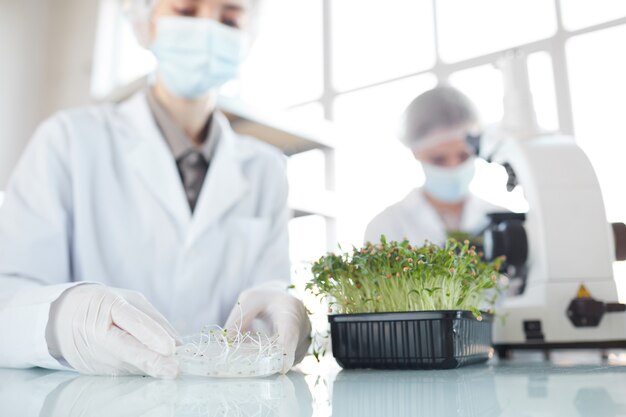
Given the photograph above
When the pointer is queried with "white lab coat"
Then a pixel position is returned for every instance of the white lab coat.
(97, 197)
(415, 219)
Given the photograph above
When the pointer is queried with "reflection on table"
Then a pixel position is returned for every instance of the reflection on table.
(526, 386)
(42, 393)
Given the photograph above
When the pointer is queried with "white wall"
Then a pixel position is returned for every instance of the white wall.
(23, 27)
(46, 49)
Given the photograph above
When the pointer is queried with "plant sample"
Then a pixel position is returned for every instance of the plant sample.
(396, 276)
(230, 353)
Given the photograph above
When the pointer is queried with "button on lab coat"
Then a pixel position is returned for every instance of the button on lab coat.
(97, 197)
(415, 219)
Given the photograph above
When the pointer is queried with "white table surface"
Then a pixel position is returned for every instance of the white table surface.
(570, 384)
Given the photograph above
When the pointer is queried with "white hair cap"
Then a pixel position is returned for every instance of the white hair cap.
(434, 115)
(139, 12)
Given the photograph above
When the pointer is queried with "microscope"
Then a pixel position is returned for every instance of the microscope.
(560, 252)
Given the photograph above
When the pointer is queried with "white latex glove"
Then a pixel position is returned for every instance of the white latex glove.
(106, 331)
(281, 313)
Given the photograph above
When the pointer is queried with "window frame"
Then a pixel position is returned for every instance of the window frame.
(554, 46)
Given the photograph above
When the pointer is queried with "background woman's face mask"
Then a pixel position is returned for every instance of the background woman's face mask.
(196, 55)
(449, 184)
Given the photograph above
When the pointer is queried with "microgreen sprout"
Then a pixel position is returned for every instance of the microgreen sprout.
(217, 351)
(396, 276)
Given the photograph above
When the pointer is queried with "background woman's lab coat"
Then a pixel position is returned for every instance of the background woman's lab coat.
(415, 219)
(97, 197)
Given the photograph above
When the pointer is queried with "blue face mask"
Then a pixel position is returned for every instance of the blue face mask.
(450, 185)
(196, 55)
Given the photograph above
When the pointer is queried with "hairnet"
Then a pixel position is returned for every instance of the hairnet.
(441, 109)
(140, 11)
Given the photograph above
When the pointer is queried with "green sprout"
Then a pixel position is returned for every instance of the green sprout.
(396, 276)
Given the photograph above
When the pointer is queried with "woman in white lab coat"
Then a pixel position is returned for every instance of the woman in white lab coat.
(437, 127)
(124, 225)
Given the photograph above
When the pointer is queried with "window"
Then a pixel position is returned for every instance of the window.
(379, 108)
(285, 63)
(374, 41)
(598, 88)
(541, 77)
(483, 85)
(373, 168)
(579, 14)
(468, 29)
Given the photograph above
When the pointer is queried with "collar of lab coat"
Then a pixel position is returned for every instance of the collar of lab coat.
(154, 163)
(473, 217)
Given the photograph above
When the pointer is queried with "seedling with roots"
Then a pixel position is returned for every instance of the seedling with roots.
(220, 352)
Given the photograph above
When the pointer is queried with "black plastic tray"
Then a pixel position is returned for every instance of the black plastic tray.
(442, 339)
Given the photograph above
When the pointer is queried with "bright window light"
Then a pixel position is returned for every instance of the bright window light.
(374, 41)
(307, 239)
(308, 113)
(306, 172)
(378, 109)
(541, 76)
(579, 14)
(374, 170)
(483, 85)
(472, 28)
(597, 64)
(285, 64)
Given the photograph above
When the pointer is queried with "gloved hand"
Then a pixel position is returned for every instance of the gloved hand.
(281, 313)
(106, 331)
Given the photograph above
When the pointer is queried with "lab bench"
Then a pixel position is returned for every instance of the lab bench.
(569, 384)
